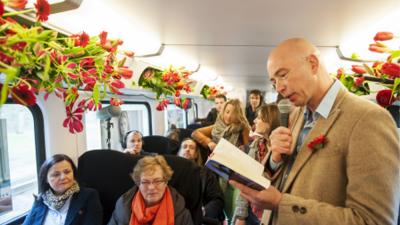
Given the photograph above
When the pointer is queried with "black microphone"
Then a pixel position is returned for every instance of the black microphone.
(108, 112)
(284, 107)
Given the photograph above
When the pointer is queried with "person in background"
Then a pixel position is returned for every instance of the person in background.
(173, 133)
(123, 125)
(266, 121)
(133, 143)
(219, 101)
(255, 101)
(213, 198)
(341, 153)
(151, 201)
(231, 124)
(61, 200)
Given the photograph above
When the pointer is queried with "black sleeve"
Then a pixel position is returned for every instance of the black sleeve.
(213, 198)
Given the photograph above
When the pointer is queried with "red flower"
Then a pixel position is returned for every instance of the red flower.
(339, 73)
(177, 101)
(83, 39)
(129, 53)
(162, 105)
(125, 72)
(358, 81)
(18, 4)
(358, 69)
(92, 106)
(116, 102)
(117, 84)
(19, 46)
(377, 48)
(383, 36)
(42, 10)
(74, 118)
(5, 58)
(317, 143)
(108, 69)
(391, 69)
(103, 38)
(186, 104)
(87, 63)
(23, 94)
(1, 8)
(385, 98)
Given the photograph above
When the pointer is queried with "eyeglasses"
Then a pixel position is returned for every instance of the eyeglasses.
(280, 77)
(156, 183)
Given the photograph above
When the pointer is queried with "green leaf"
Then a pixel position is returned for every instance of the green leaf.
(395, 53)
(96, 94)
(396, 85)
(46, 68)
(11, 73)
(354, 55)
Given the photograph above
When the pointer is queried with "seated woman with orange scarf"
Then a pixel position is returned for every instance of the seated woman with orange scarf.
(152, 201)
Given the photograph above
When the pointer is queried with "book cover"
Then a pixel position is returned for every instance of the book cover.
(231, 163)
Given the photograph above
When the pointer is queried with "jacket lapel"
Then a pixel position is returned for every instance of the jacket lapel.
(75, 208)
(322, 127)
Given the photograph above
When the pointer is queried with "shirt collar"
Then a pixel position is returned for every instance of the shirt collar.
(325, 107)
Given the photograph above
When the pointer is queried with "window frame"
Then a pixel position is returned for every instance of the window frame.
(40, 147)
(146, 104)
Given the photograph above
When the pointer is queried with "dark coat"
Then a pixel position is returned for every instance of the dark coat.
(84, 209)
(213, 198)
(251, 115)
(122, 211)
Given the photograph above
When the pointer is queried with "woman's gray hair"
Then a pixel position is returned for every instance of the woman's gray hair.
(150, 163)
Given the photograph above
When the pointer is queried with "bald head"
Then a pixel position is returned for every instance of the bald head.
(294, 48)
(296, 71)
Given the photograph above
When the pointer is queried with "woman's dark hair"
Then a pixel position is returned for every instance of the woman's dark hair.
(257, 92)
(124, 142)
(44, 169)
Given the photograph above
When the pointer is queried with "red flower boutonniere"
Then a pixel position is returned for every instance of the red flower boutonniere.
(318, 142)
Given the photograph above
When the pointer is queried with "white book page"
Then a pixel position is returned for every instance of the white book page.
(229, 155)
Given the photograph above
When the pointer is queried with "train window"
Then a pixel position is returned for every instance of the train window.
(191, 114)
(21, 151)
(175, 116)
(134, 116)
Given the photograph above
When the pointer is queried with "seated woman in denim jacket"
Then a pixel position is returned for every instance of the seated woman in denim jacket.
(61, 201)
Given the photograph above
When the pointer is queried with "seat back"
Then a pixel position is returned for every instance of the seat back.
(160, 145)
(108, 172)
(184, 133)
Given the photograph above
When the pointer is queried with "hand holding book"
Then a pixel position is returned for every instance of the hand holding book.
(231, 163)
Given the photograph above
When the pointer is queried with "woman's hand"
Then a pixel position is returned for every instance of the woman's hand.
(211, 146)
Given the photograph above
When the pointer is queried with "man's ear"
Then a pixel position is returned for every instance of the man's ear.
(314, 62)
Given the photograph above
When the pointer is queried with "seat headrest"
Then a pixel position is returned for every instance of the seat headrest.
(108, 171)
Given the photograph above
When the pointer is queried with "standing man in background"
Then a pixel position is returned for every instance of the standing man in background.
(213, 114)
(342, 163)
(255, 101)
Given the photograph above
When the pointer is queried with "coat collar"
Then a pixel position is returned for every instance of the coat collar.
(77, 202)
(322, 127)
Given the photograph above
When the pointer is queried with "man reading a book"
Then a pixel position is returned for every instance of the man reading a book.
(338, 163)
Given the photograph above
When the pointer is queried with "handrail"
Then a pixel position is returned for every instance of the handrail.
(341, 56)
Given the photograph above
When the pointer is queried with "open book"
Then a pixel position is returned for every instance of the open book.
(231, 163)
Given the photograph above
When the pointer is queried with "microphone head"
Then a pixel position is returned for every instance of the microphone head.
(284, 106)
(108, 112)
